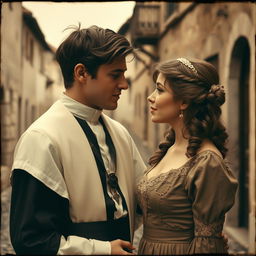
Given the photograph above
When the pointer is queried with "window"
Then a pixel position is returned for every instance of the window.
(33, 113)
(26, 121)
(41, 60)
(26, 46)
(10, 6)
(170, 9)
(29, 47)
(214, 60)
(31, 51)
(1, 94)
(19, 115)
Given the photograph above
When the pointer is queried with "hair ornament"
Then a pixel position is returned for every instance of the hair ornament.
(188, 64)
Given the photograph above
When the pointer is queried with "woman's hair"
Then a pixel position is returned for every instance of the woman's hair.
(91, 47)
(196, 83)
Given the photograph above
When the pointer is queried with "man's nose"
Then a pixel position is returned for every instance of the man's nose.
(123, 84)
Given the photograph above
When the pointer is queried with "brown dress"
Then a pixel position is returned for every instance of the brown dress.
(184, 209)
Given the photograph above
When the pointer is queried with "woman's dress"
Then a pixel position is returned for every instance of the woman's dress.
(184, 209)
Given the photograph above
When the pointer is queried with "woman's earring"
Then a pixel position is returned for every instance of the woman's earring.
(181, 114)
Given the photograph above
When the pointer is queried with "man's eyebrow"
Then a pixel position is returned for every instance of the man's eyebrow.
(118, 70)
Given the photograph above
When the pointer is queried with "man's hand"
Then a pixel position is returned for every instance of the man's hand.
(225, 239)
(118, 247)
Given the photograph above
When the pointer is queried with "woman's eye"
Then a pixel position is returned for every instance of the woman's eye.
(159, 89)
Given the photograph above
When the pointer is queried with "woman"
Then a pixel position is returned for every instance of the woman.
(188, 189)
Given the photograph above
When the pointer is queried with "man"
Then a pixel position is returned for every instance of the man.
(75, 169)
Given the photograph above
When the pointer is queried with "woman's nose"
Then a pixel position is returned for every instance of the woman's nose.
(151, 97)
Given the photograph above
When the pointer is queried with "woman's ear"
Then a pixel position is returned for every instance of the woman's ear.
(183, 106)
(80, 73)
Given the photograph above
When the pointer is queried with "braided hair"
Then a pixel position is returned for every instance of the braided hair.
(197, 85)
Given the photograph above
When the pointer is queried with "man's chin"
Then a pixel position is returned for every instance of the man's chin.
(112, 107)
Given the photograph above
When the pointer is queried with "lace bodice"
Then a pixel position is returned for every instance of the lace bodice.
(189, 197)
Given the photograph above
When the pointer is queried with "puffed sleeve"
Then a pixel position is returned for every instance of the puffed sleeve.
(211, 188)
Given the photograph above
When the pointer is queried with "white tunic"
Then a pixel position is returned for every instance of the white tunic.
(92, 116)
(54, 150)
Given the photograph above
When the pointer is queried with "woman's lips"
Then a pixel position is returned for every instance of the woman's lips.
(152, 109)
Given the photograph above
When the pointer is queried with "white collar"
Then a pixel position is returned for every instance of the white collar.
(80, 110)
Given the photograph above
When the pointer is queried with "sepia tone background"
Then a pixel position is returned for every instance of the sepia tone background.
(222, 33)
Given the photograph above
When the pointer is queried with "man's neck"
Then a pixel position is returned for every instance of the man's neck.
(77, 97)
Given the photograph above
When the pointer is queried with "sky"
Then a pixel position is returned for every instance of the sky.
(54, 17)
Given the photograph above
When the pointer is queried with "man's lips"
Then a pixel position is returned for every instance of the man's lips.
(153, 109)
(116, 96)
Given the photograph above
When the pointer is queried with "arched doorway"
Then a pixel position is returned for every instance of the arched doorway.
(238, 127)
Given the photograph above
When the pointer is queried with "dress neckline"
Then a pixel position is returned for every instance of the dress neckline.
(182, 166)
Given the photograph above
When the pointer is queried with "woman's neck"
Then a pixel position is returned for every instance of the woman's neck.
(181, 137)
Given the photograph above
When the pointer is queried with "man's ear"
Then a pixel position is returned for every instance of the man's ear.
(80, 73)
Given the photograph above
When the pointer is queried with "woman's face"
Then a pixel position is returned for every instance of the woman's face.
(163, 107)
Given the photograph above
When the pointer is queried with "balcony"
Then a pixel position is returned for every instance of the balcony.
(145, 25)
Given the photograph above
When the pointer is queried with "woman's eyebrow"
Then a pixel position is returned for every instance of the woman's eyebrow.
(159, 84)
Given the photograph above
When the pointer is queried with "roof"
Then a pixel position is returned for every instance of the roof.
(31, 22)
(125, 27)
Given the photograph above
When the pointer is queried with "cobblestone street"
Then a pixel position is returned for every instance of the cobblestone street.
(6, 247)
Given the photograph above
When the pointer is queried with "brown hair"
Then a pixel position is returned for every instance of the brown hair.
(91, 47)
(199, 89)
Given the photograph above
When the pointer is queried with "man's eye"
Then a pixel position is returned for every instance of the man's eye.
(115, 76)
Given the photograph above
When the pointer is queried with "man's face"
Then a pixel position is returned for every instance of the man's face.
(104, 91)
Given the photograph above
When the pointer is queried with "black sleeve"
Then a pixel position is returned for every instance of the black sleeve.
(138, 210)
(38, 216)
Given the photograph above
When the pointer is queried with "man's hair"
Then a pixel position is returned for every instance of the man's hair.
(91, 47)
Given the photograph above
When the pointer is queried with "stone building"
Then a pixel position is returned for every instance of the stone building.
(30, 76)
(11, 77)
(41, 75)
(224, 34)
